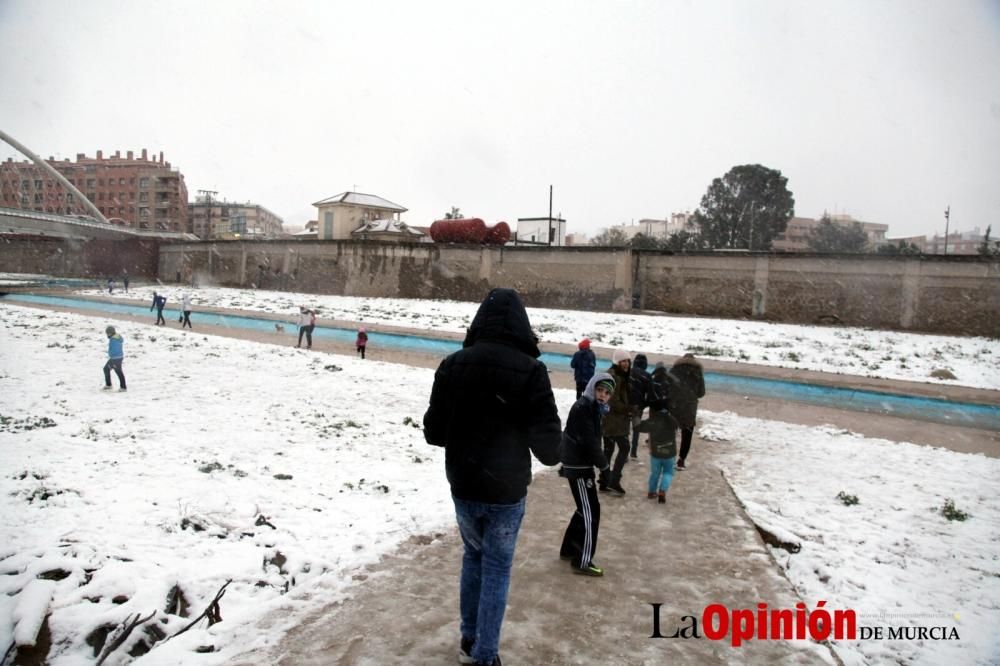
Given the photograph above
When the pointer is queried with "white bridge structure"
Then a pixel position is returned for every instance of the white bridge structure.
(81, 227)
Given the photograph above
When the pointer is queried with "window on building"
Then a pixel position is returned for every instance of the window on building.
(143, 196)
(90, 183)
(328, 224)
(38, 184)
(143, 211)
(100, 182)
(69, 198)
(25, 184)
(121, 181)
(144, 182)
(38, 198)
(91, 196)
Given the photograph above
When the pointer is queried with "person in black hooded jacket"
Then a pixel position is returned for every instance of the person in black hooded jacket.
(491, 408)
(690, 386)
(581, 453)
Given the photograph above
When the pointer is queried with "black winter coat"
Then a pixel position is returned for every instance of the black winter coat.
(581, 449)
(690, 386)
(492, 406)
(662, 429)
(639, 381)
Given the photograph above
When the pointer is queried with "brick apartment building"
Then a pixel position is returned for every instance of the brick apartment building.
(139, 192)
(215, 219)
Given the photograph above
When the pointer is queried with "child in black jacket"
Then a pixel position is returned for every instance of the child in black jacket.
(662, 429)
(581, 452)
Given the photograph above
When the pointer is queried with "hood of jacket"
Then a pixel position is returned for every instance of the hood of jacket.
(640, 362)
(687, 360)
(589, 391)
(502, 318)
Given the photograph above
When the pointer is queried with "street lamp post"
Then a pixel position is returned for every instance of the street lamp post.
(947, 219)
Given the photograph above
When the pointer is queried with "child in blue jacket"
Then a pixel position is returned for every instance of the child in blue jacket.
(116, 354)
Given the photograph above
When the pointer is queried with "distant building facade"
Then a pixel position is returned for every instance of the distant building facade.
(138, 192)
(964, 242)
(215, 219)
(343, 213)
(541, 231)
(795, 238)
(656, 228)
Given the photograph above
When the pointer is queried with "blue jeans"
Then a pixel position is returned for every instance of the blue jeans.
(489, 532)
(661, 473)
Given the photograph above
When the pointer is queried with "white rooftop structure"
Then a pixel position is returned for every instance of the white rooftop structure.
(359, 199)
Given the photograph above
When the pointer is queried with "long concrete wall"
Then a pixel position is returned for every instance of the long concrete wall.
(952, 295)
(65, 257)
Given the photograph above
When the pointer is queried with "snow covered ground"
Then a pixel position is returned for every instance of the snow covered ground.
(974, 361)
(225, 453)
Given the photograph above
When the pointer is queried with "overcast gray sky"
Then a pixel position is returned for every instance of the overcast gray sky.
(886, 110)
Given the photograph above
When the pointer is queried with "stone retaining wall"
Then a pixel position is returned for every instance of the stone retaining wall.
(955, 295)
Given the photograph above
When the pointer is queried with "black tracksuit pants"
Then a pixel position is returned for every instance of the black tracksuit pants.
(580, 540)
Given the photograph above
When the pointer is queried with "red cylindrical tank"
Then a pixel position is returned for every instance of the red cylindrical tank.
(498, 234)
(464, 230)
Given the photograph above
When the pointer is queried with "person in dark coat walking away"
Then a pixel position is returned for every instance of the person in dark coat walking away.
(491, 408)
(362, 341)
(684, 402)
(581, 453)
(616, 423)
(159, 302)
(638, 387)
(125, 280)
(662, 429)
(116, 354)
(584, 363)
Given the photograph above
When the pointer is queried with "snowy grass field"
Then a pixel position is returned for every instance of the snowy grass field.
(974, 361)
(289, 471)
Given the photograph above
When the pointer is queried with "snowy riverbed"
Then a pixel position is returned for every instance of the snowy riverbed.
(226, 453)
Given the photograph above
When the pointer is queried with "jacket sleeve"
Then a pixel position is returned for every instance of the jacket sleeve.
(595, 452)
(544, 426)
(434, 425)
(701, 385)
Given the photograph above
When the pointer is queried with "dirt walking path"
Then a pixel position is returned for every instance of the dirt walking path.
(698, 549)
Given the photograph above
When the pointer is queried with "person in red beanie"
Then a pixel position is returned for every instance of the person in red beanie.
(584, 364)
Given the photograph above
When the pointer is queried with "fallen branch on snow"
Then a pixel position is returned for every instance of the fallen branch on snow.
(213, 613)
(128, 625)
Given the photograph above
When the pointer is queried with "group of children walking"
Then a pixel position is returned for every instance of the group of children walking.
(608, 404)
